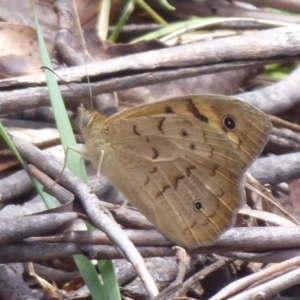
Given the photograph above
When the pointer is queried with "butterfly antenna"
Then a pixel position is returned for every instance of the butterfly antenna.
(66, 83)
(85, 53)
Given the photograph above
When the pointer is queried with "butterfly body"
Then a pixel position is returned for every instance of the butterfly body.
(179, 161)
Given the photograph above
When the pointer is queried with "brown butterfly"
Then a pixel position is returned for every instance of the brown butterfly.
(180, 161)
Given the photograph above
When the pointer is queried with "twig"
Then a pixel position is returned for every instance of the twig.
(99, 215)
(245, 282)
(277, 97)
(292, 6)
(189, 60)
(272, 287)
(12, 285)
(276, 169)
(57, 191)
(235, 239)
(183, 261)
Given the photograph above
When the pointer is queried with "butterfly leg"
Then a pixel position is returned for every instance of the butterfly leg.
(92, 190)
(65, 163)
(100, 163)
(98, 170)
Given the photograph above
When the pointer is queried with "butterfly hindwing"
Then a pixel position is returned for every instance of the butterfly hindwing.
(181, 173)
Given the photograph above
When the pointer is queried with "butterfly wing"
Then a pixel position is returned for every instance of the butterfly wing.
(249, 135)
(181, 173)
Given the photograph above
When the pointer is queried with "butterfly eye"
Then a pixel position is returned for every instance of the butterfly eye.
(86, 120)
(110, 110)
(184, 133)
(229, 122)
(192, 146)
(197, 205)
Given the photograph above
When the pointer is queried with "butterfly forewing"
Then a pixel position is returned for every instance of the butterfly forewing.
(181, 173)
(249, 136)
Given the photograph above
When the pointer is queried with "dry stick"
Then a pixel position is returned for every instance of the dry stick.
(37, 251)
(272, 287)
(52, 290)
(64, 11)
(287, 5)
(245, 282)
(138, 237)
(189, 60)
(64, 196)
(14, 186)
(19, 100)
(270, 218)
(275, 256)
(67, 14)
(277, 97)
(183, 261)
(273, 44)
(254, 239)
(129, 218)
(283, 140)
(280, 123)
(41, 145)
(252, 184)
(201, 274)
(12, 285)
(126, 217)
(57, 275)
(235, 239)
(17, 229)
(99, 215)
(276, 169)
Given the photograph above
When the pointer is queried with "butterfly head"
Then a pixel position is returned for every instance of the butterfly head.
(87, 120)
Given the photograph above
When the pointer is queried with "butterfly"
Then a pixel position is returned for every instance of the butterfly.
(181, 162)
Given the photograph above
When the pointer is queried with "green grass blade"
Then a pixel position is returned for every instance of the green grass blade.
(109, 278)
(126, 13)
(85, 267)
(165, 4)
(61, 118)
(48, 200)
(169, 29)
(155, 16)
(91, 278)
